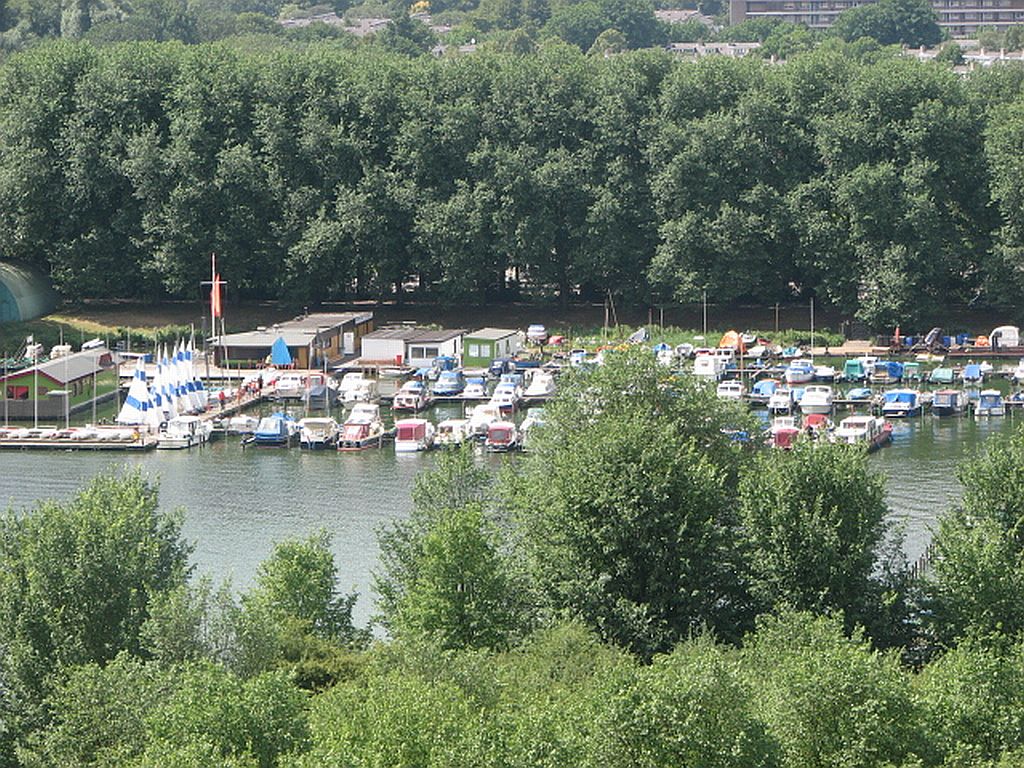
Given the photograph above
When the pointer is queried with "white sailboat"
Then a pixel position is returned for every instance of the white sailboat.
(138, 408)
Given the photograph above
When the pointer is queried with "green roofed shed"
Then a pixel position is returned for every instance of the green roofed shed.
(25, 293)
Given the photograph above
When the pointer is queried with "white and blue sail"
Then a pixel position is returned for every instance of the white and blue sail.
(138, 408)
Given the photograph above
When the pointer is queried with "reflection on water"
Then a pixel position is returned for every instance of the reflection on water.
(239, 502)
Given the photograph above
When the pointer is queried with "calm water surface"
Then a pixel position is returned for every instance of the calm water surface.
(239, 502)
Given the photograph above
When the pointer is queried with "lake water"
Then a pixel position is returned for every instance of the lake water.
(239, 502)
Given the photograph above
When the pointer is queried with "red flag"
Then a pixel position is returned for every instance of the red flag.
(215, 309)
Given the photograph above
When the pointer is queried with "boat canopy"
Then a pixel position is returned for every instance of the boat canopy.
(854, 369)
(765, 387)
(946, 397)
(941, 376)
(972, 372)
(411, 430)
(279, 354)
(901, 396)
(730, 340)
(991, 397)
(893, 368)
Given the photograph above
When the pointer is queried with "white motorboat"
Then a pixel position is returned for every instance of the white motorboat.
(949, 402)
(731, 390)
(290, 386)
(413, 396)
(799, 372)
(183, 432)
(825, 373)
(451, 432)
(817, 399)
(357, 387)
(318, 432)
(990, 403)
(482, 417)
(541, 386)
(870, 431)
(781, 401)
(476, 389)
(241, 425)
(413, 435)
(363, 428)
(506, 397)
(708, 366)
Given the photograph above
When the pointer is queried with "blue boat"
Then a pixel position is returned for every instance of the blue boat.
(886, 372)
(901, 403)
(859, 394)
(972, 374)
(763, 390)
(800, 372)
(276, 429)
(449, 384)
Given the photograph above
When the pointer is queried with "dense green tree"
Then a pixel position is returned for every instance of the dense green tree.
(910, 22)
(813, 525)
(826, 698)
(77, 583)
(623, 508)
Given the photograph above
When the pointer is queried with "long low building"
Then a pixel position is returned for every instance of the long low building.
(64, 384)
(309, 340)
(961, 18)
(410, 346)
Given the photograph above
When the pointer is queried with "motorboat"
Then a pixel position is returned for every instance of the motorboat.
(664, 354)
(276, 429)
(859, 394)
(482, 417)
(825, 373)
(502, 436)
(1018, 372)
(241, 425)
(363, 428)
(413, 435)
(290, 386)
(817, 399)
(972, 374)
(799, 372)
(318, 432)
(534, 418)
(449, 384)
(451, 432)
(413, 396)
(731, 390)
(781, 401)
(941, 376)
(784, 437)
(357, 387)
(183, 432)
(870, 431)
(541, 386)
(990, 403)
(762, 391)
(506, 398)
(886, 372)
(817, 424)
(684, 351)
(900, 403)
(949, 402)
(321, 393)
(476, 389)
(784, 422)
(577, 357)
(708, 366)
(859, 368)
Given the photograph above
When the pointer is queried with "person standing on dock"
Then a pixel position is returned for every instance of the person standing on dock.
(220, 396)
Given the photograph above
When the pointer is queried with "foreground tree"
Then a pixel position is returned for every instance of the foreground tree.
(77, 582)
(622, 506)
(813, 525)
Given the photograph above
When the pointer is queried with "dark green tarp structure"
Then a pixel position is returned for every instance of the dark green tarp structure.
(25, 293)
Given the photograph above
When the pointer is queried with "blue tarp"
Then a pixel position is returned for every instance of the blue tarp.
(764, 388)
(900, 397)
(972, 373)
(279, 354)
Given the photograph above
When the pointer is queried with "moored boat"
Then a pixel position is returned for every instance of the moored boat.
(276, 429)
(502, 436)
(413, 435)
(799, 372)
(731, 390)
(452, 432)
(541, 387)
(817, 399)
(449, 384)
(781, 401)
(762, 391)
(949, 402)
(481, 417)
(413, 396)
(318, 432)
(870, 431)
(183, 432)
(901, 403)
(990, 403)
(885, 372)
(362, 429)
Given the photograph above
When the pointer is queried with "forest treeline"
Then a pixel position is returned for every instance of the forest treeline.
(886, 187)
(640, 589)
